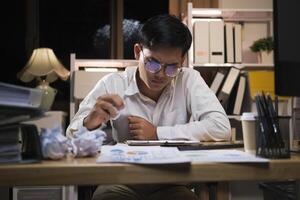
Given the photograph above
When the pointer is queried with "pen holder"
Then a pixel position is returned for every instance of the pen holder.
(273, 145)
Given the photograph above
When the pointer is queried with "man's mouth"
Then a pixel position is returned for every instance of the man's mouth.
(156, 81)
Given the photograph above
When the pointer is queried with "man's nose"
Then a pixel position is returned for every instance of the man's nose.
(161, 72)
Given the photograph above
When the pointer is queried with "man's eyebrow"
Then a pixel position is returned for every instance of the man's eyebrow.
(152, 58)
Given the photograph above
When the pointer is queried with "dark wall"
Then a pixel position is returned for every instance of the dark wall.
(12, 41)
(67, 27)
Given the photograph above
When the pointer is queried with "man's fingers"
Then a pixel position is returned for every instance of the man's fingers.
(103, 114)
(138, 137)
(114, 99)
(107, 107)
(95, 119)
(134, 119)
(137, 134)
(135, 126)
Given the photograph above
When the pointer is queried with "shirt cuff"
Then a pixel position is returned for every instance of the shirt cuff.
(78, 125)
(164, 132)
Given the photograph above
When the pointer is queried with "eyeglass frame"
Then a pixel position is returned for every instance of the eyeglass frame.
(147, 60)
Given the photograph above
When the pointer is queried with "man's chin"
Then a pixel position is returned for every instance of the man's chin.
(156, 87)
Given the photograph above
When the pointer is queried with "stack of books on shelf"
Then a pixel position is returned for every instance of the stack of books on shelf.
(219, 40)
(216, 41)
(19, 142)
(232, 89)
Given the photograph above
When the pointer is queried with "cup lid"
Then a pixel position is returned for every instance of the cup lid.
(248, 116)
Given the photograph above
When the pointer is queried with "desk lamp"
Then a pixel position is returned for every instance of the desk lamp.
(46, 68)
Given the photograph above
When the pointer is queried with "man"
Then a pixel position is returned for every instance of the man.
(158, 99)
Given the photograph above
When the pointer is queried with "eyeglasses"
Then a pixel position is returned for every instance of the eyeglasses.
(154, 66)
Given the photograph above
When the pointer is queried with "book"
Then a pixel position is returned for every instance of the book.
(263, 81)
(236, 128)
(229, 41)
(19, 96)
(19, 143)
(227, 87)
(232, 98)
(201, 41)
(239, 95)
(216, 41)
(10, 149)
(237, 34)
(217, 81)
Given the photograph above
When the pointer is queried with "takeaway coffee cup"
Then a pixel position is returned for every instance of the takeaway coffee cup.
(248, 128)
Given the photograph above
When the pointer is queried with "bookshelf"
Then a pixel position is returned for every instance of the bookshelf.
(243, 17)
(241, 66)
(254, 24)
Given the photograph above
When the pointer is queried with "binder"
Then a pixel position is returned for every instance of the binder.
(19, 96)
(216, 41)
(201, 41)
(228, 85)
(239, 95)
(237, 43)
(217, 81)
(261, 81)
(20, 143)
(229, 42)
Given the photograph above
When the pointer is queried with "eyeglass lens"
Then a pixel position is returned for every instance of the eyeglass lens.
(154, 67)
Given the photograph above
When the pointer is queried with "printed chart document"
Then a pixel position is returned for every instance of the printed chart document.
(121, 153)
(222, 156)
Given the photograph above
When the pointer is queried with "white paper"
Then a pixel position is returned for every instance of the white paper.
(222, 156)
(122, 153)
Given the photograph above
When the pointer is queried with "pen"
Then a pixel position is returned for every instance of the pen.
(276, 127)
(261, 140)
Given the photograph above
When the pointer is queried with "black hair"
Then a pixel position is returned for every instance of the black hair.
(165, 31)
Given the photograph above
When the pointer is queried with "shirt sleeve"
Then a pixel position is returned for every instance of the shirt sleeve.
(85, 106)
(208, 120)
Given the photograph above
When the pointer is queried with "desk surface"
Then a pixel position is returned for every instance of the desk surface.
(85, 171)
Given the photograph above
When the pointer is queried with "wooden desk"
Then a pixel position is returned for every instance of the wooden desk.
(85, 171)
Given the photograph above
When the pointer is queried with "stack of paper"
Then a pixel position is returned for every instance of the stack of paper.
(121, 153)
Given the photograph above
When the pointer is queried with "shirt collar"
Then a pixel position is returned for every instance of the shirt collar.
(133, 89)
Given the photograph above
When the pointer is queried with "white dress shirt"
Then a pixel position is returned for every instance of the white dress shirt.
(187, 109)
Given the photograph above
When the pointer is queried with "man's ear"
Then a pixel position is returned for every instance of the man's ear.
(183, 59)
(137, 50)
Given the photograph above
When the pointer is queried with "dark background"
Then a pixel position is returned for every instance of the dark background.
(66, 27)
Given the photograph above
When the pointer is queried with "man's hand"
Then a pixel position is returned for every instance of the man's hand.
(141, 129)
(106, 107)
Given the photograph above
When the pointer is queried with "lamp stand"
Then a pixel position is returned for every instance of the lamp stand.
(49, 94)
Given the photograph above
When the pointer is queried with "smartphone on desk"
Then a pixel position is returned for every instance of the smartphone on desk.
(214, 145)
(186, 145)
(163, 143)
